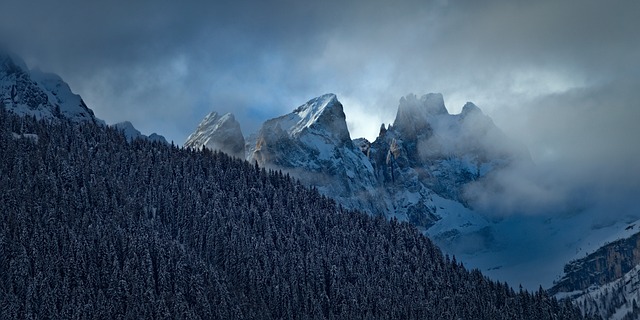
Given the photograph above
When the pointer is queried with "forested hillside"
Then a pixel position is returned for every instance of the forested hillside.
(93, 226)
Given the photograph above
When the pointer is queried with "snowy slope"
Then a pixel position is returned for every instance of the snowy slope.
(46, 96)
(43, 95)
(532, 250)
(606, 281)
(614, 300)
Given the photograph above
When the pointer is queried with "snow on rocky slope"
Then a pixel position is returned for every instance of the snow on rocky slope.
(46, 96)
(39, 94)
(313, 144)
(606, 281)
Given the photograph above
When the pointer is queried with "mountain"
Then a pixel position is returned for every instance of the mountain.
(607, 281)
(313, 144)
(95, 227)
(416, 170)
(428, 155)
(46, 96)
(217, 132)
(39, 94)
(427, 168)
(132, 133)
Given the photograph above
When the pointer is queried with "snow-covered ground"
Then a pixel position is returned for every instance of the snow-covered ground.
(532, 250)
(613, 300)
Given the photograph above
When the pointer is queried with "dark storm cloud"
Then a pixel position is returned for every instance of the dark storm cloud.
(558, 75)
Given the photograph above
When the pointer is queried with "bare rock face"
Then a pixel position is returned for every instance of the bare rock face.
(221, 133)
(607, 264)
(429, 152)
(605, 283)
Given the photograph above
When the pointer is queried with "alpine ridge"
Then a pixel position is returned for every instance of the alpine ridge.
(416, 170)
(46, 95)
(607, 281)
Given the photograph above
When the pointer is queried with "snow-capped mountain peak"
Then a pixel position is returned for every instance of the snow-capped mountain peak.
(318, 127)
(416, 170)
(323, 115)
(216, 132)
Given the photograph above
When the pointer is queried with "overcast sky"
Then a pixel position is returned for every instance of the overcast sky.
(562, 77)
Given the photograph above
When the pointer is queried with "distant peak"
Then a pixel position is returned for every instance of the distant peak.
(130, 132)
(211, 116)
(318, 104)
(382, 131)
(469, 107)
(10, 62)
(414, 113)
(324, 111)
(431, 103)
(217, 132)
(124, 124)
(227, 117)
(320, 116)
(215, 119)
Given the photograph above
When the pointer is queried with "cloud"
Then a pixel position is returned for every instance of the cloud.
(560, 76)
(584, 151)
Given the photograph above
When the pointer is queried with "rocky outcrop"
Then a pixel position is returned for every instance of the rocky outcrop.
(606, 265)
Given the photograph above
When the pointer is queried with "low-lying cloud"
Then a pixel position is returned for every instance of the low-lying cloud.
(584, 155)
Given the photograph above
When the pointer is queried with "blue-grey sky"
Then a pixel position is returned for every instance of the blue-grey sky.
(562, 77)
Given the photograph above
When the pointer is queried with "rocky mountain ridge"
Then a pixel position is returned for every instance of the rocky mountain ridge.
(47, 96)
(416, 169)
(607, 281)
